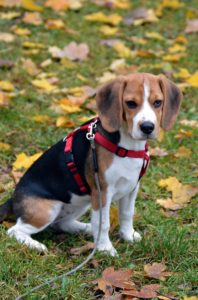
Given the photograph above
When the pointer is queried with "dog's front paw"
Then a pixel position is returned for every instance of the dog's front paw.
(130, 236)
(108, 249)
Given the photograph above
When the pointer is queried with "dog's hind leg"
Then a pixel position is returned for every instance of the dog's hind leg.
(36, 215)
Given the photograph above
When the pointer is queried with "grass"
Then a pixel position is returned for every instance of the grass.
(171, 239)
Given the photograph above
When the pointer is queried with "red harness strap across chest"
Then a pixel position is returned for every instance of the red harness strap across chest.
(104, 142)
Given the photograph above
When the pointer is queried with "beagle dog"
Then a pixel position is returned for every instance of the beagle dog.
(131, 110)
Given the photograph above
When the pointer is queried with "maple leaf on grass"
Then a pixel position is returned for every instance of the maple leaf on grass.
(72, 51)
(156, 271)
(146, 292)
(80, 250)
(25, 161)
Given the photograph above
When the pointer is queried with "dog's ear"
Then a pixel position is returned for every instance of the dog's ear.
(172, 101)
(109, 104)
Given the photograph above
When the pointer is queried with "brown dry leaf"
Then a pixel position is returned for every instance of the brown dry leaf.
(64, 122)
(72, 51)
(83, 249)
(30, 67)
(6, 37)
(42, 119)
(33, 18)
(140, 16)
(4, 146)
(146, 292)
(113, 19)
(192, 26)
(157, 151)
(25, 161)
(183, 152)
(115, 279)
(190, 123)
(10, 3)
(156, 270)
(183, 134)
(31, 5)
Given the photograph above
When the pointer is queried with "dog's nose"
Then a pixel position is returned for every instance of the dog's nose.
(147, 127)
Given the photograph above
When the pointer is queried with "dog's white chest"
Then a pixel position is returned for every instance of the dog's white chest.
(122, 176)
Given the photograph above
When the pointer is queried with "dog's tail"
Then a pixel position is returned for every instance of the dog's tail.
(6, 209)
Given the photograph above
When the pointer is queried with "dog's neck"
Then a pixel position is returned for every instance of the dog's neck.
(128, 142)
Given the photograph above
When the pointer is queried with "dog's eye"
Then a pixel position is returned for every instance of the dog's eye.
(131, 104)
(157, 103)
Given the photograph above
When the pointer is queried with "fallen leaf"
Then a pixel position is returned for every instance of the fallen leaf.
(191, 123)
(113, 19)
(72, 51)
(154, 35)
(117, 64)
(192, 26)
(114, 218)
(168, 203)
(6, 86)
(7, 64)
(183, 152)
(30, 67)
(156, 270)
(33, 18)
(183, 74)
(64, 122)
(180, 39)
(146, 292)
(21, 31)
(4, 146)
(157, 151)
(68, 107)
(140, 16)
(42, 119)
(190, 298)
(138, 40)
(6, 37)
(16, 175)
(122, 50)
(31, 45)
(44, 85)
(10, 15)
(60, 5)
(46, 63)
(193, 80)
(30, 5)
(55, 24)
(25, 161)
(108, 30)
(172, 4)
(173, 57)
(183, 134)
(83, 249)
(107, 76)
(177, 48)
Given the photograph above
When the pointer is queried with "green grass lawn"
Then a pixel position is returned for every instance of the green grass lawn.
(168, 238)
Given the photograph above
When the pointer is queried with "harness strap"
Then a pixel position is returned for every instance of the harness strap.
(100, 139)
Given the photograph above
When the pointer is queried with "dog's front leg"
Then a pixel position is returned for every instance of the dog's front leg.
(126, 212)
(104, 243)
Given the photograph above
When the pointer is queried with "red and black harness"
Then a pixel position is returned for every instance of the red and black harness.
(104, 142)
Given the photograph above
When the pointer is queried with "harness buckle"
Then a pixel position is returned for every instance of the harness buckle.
(121, 152)
(90, 134)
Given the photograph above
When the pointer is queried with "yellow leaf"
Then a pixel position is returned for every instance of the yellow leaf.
(169, 204)
(107, 76)
(193, 79)
(60, 5)
(180, 39)
(42, 119)
(6, 86)
(113, 19)
(4, 147)
(68, 107)
(55, 24)
(154, 35)
(30, 5)
(183, 73)
(183, 152)
(29, 66)
(32, 18)
(172, 4)
(44, 85)
(150, 18)
(28, 44)
(121, 4)
(177, 48)
(117, 64)
(161, 135)
(184, 134)
(122, 50)
(21, 31)
(10, 15)
(173, 57)
(64, 122)
(25, 161)
(190, 298)
(138, 40)
(4, 100)
(108, 30)
(180, 193)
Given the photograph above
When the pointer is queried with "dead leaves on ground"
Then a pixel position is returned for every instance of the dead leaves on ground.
(115, 283)
(181, 194)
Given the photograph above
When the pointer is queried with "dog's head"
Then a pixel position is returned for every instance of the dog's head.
(140, 103)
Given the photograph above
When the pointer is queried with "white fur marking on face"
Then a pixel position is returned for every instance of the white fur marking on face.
(146, 113)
